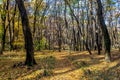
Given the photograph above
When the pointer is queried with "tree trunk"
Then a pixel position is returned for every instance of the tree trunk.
(30, 61)
(103, 26)
(3, 17)
(79, 28)
(13, 27)
(9, 28)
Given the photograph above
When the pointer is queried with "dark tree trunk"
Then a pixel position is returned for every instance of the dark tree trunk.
(9, 28)
(97, 42)
(59, 37)
(74, 40)
(107, 42)
(97, 36)
(3, 38)
(3, 17)
(30, 61)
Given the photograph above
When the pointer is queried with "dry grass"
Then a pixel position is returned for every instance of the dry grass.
(92, 67)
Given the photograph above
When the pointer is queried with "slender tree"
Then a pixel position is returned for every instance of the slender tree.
(78, 25)
(4, 18)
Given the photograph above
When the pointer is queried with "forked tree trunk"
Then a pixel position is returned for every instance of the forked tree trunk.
(30, 61)
(103, 26)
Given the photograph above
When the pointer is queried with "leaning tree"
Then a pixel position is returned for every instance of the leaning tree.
(103, 27)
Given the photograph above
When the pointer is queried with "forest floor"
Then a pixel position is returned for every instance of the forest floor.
(60, 66)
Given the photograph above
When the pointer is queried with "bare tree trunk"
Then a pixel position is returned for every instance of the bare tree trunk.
(13, 26)
(37, 5)
(3, 17)
(9, 28)
(79, 28)
(103, 26)
(30, 61)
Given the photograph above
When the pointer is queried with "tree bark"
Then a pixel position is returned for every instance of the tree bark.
(103, 26)
(30, 61)
(9, 27)
(4, 18)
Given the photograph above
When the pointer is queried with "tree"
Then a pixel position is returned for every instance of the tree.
(36, 6)
(4, 27)
(30, 61)
(107, 42)
(78, 25)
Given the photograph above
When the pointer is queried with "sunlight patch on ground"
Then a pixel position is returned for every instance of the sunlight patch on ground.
(31, 76)
(64, 69)
(61, 70)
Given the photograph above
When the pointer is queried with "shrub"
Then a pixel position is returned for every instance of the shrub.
(71, 58)
(48, 62)
(40, 45)
(79, 64)
(47, 72)
(18, 45)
